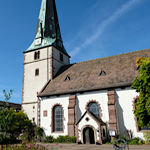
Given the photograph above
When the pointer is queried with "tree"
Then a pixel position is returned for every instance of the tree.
(12, 122)
(7, 98)
(142, 85)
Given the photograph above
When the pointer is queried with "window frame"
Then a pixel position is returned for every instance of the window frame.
(97, 114)
(36, 55)
(37, 72)
(53, 119)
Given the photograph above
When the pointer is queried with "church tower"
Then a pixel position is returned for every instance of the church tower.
(43, 58)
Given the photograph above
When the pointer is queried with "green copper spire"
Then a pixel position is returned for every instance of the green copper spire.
(48, 30)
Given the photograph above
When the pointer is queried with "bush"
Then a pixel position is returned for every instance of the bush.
(147, 137)
(126, 138)
(134, 141)
(38, 131)
(12, 123)
(65, 139)
(48, 139)
(60, 139)
(4, 139)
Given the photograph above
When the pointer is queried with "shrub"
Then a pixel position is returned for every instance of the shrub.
(126, 138)
(140, 142)
(147, 137)
(4, 139)
(38, 131)
(48, 139)
(60, 139)
(134, 141)
(11, 124)
(65, 139)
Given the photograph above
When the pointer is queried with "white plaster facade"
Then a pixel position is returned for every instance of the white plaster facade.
(124, 108)
(99, 96)
(47, 105)
(48, 64)
(126, 118)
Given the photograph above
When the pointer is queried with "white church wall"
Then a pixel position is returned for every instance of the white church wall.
(47, 105)
(124, 108)
(33, 84)
(124, 104)
(29, 56)
(85, 98)
(31, 111)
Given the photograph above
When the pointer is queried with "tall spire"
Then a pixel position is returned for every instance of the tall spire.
(48, 30)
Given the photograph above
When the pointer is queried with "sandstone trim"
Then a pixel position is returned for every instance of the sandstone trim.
(112, 111)
(71, 115)
(94, 101)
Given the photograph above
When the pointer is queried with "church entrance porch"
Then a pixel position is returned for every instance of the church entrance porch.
(88, 136)
(89, 129)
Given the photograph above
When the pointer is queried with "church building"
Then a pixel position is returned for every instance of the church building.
(91, 100)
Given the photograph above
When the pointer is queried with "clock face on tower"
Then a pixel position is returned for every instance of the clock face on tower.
(38, 41)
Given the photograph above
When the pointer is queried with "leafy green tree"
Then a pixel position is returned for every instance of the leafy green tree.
(11, 122)
(7, 98)
(142, 85)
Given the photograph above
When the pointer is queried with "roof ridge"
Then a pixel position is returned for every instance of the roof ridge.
(92, 60)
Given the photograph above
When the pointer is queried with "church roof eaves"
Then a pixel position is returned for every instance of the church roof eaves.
(121, 72)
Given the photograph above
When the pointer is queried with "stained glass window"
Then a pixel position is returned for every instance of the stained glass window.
(58, 122)
(93, 108)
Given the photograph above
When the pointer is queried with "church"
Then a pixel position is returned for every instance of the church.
(90, 100)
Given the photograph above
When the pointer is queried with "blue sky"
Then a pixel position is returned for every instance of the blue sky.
(90, 29)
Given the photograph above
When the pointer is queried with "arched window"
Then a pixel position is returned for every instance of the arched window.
(93, 108)
(57, 116)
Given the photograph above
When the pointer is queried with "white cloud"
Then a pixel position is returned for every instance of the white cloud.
(102, 26)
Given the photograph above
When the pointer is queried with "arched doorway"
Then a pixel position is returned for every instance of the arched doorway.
(88, 136)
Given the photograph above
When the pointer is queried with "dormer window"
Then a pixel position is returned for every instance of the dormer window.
(102, 73)
(61, 57)
(36, 55)
(67, 78)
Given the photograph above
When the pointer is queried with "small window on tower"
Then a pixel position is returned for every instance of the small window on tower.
(37, 55)
(61, 57)
(36, 72)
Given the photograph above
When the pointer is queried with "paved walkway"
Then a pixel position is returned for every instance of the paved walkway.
(93, 147)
